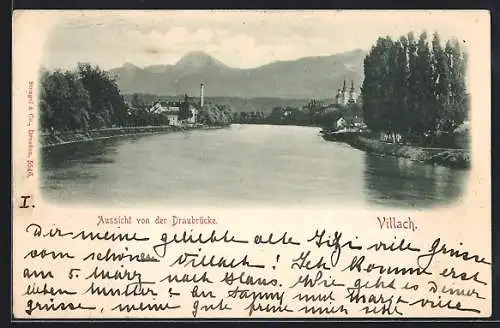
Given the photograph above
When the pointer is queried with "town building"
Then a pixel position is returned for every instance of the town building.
(169, 109)
(350, 122)
(341, 123)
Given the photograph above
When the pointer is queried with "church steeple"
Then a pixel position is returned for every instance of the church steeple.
(351, 92)
(345, 96)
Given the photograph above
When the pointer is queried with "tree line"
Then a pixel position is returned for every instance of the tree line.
(314, 113)
(89, 98)
(414, 90)
(215, 115)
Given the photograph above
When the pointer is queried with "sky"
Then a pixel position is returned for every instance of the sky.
(240, 39)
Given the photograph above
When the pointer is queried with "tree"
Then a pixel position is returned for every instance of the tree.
(425, 115)
(137, 103)
(398, 84)
(376, 89)
(185, 109)
(276, 116)
(64, 102)
(212, 114)
(441, 78)
(459, 102)
(412, 107)
(236, 117)
(107, 106)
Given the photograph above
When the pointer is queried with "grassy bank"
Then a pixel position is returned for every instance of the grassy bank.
(59, 138)
(455, 158)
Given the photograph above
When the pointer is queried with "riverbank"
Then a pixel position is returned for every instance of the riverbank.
(60, 138)
(454, 158)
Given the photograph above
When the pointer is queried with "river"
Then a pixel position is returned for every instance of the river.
(243, 165)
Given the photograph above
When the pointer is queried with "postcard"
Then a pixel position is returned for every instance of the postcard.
(251, 164)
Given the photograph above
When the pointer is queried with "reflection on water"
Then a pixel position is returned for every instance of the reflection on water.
(402, 182)
(241, 165)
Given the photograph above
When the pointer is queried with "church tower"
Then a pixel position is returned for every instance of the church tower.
(344, 100)
(352, 94)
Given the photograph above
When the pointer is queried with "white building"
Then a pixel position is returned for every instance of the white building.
(194, 112)
(170, 110)
(341, 123)
(173, 118)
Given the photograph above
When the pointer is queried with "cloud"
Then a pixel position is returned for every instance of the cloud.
(202, 35)
(242, 50)
(239, 39)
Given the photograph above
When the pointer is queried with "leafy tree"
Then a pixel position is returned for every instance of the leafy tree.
(137, 103)
(276, 116)
(412, 108)
(237, 117)
(211, 114)
(426, 104)
(459, 103)
(184, 110)
(64, 102)
(397, 85)
(375, 93)
(107, 106)
(441, 78)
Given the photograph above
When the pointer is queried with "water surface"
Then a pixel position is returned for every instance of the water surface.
(241, 165)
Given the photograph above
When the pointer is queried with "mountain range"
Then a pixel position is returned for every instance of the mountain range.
(304, 78)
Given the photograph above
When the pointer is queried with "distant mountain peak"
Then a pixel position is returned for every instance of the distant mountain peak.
(129, 66)
(196, 53)
(197, 59)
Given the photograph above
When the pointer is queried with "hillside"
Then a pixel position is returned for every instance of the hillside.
(305, 78)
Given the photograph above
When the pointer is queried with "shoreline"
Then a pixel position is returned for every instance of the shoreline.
(457, 158)
(48, 140)
(452, 158)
